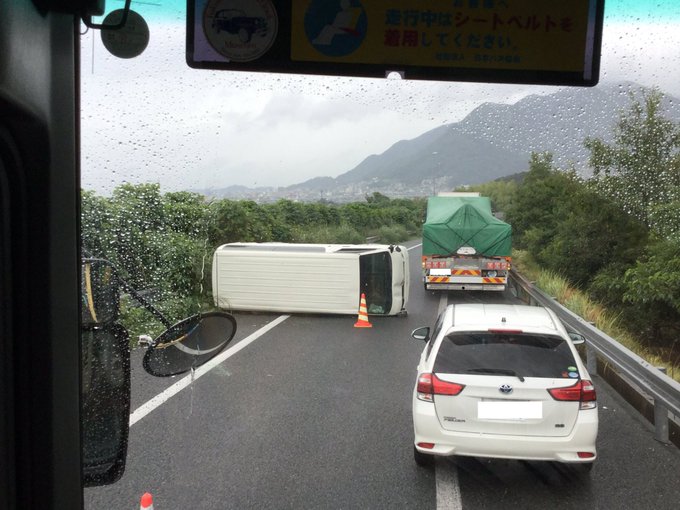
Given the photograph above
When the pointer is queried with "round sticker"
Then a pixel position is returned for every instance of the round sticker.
(335, 28)
(128, 41)
(241, 30)
(573, 375)
(571, 369)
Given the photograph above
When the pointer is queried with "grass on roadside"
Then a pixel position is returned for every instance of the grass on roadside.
(580, 303)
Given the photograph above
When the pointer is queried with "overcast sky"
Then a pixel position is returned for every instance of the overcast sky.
(153, 119)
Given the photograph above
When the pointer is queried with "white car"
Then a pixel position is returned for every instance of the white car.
(503, 381)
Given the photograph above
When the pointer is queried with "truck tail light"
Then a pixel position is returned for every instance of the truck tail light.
(583, 391)
(430, 385)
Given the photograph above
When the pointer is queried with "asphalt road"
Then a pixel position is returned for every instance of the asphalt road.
(317, 414)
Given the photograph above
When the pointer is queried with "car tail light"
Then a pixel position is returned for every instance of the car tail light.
(586, 455)
(583, 391)
(429, 446)
(430, 385)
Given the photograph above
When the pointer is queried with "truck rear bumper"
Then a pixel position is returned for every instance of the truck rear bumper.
(463, 286)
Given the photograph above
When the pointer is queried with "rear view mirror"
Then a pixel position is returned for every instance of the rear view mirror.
(105, 396)
(189, 344)
(105, 376)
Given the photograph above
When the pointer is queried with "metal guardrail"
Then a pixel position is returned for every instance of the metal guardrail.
(664, 390)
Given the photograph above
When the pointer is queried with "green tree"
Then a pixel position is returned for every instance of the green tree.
(228, 222)
(137, 217)
(359, 216)
(656, 276)
(535, 212)
(501, 192)
(377, 198)
(96, 226)
(591, 233)
(640, 169)
(651, 291)
(185, 212)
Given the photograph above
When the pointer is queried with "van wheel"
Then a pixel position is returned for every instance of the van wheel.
(423, 459)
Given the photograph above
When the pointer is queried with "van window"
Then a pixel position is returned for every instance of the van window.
(376, 281)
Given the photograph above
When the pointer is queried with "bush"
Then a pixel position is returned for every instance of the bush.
(342, 234)
(392, 234)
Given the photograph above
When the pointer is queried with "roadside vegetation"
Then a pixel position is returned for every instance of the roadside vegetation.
(162, 243)
(608, 246)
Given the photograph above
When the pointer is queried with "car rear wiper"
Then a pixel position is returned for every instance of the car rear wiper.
(503, 371)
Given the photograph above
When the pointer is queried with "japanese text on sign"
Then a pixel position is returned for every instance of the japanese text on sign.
(512, 34)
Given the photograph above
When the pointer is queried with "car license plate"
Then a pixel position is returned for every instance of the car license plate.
(440, 272)
(509, 410)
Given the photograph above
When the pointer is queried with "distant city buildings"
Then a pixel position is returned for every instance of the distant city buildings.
(341, 194)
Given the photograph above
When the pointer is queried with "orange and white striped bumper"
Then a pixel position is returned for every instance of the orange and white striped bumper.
(458, 279)
(465, 283)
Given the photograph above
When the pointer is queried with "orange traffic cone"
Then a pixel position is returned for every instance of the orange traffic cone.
(362, 321)
(146, 503)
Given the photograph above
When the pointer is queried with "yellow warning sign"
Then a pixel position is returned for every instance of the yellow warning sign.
(522, 35)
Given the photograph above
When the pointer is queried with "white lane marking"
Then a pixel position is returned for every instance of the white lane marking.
(412, 247)
(446, 473)
(162, 397)
(448, 490)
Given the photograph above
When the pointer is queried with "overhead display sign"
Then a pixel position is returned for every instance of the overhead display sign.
(501, 41)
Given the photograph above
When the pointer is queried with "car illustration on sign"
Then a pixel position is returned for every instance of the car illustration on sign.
(235, 21)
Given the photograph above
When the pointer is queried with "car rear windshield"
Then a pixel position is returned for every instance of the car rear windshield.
(487, 353)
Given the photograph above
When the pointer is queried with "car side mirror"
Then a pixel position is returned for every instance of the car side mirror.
(577, 338)
(421, 333)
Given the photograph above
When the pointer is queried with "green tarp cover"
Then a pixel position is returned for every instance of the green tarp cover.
(453, 222)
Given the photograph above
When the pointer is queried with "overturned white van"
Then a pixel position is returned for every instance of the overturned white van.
(311, 278)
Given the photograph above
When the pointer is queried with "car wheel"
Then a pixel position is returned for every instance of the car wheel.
(423, 459)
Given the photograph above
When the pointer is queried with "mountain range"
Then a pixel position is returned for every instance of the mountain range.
(493, 141)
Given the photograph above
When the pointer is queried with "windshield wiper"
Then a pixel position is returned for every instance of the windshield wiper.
(502, 371)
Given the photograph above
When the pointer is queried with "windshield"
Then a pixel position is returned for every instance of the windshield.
(374, 283)
(309, 409)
